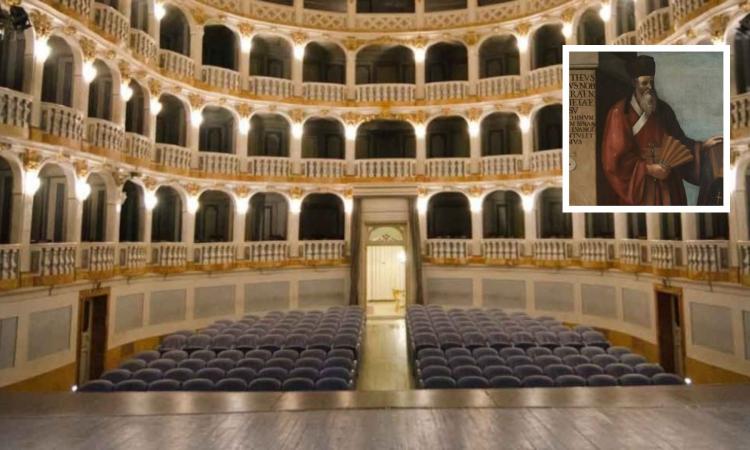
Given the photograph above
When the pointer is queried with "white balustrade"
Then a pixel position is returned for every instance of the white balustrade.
(53, 259)
(446, 19)
(223, 163)
(270, 86)
(502, 165)
(447, 90)
(177, 64)
(386, 22)
(385, 168)
(9, 263)
(15, 108)
(268, 166)
(324, 92)
(104, 134)
(448, 167)
(455, 249)
(546, 161)
(80, 7)
(743, 250)
(502, 249)
(500, 12)
(684, 10)
(544, 78)
(272, 12)
(213, 253)
(665, 255)
(325, 20)
(143, 45)
(629, 38)
(265, 251)
(98, 256)
(111, 21)
(502, 86)
(740, 113)
(707, 256)
(62, 121)
(597, 250)
(138, 146)
(552, 249)
(169, 254)
(655, 26)
(174, 156)
(322, 250)
(323, 168)
(385, 92)
(632, 251)
(221, 78)
(133, 255)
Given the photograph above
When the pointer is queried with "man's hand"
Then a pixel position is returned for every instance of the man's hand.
(657, 171)
(715, 140)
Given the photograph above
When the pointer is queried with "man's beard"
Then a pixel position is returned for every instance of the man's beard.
(647, 101)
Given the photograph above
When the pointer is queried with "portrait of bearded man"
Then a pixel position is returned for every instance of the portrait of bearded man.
(634, 131)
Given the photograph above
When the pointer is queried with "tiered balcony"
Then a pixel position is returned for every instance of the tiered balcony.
(218, 163)
(447, 90)
(62, 121)
(213, 253)
(138, 146)
(551, 251)
(98, 256)
(385, 92)
(740, 114)
(324, 92)
(221, 78)
(455, 250)
(655, 26)
(629, 38)
(545, 161)
(501, 165)
(15, 108)
(502, 250)
(597, 253)
(104, 134)
(386, 22)
(272, 12)
(445, 19)
(265, 251)
(53, 259)
(177, 64)
(503, 86)
(323, 168)
(322, 250)
(684, 10)
(707, 257)
(743, 254)
(544, 78)
(133, 256)
(80, 7)
(270, 86)
(9, 262)
(324, 20)
(448, 167)
(111, 21)
(633, 253)
(169, 255)
(142, 45)
(666, 256)
(269, 166)
(385, 168)
(173, 156)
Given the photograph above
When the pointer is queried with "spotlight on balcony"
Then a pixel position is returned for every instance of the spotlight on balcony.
(154, 106)
(605, 12)
(244, 126)
(193, 204)
(299, 51)
(41, 49)
(351, 132)
(83, 189)
(246, 44)
(89, 71)
(567, 29)
(420, 53)
(150, 200)
(523, 43)
(31, 182)
(525, 123)
(126, 92)
(159, 11)
(527, 201)
(196, 117)
(297, 130)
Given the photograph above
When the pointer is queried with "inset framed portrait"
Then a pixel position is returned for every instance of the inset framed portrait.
(646, 128)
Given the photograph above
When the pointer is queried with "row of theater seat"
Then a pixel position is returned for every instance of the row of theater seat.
(480, 349)
(180, 364)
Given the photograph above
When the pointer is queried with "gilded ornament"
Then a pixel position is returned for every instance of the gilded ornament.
(42, 23)
(31, 159)
(196, 101)
(88, 48)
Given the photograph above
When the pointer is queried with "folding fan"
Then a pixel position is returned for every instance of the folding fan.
(674, 153)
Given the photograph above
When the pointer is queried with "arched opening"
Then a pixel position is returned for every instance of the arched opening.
(498, 56)
(547, 46)
(220, 47)
(217, 130)
(326, 5)
(502, 215)
(713, 226)
(267, 218)
(166, 217)
(741, 52)
(552, 222)
(171, 123)
(448, 216)
(448, 137)
(131, 213)
(12, 59)
(637, 226)
(590, 29)
(321, 218)
(50, 206)
(378, 6)
(548, 127)
(378, 64)
(213, 221)
(443, 5)
(600, 225)
(139, 15)
(174, 31)
(101, 92)
(323, 138)
(94, 216)
(136, 116)
(501, 135)
(324, 62)
(385, 139)
(624, 16)
(670, 225)
(6, 201)
(446, 61)
(57, 78)
(269, 135)
(271, 56)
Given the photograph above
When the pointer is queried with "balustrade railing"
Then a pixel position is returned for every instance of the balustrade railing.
(740, 114)
(173, 156)
(15, 108)
(323, 168)
(324, 92)
(452, 249)
(444, 19)
(326, 20)
(80, 7)
(268, 166)
(385, 168)
(501, 165)
(98, 256)
(62, 121)
(655, 26)
(544, 78)
(143, 45)
(213, 253)
(9, 261)
(53, 259)
(104, 134)
(447, 90)
(629, 38)
(322, 250)
(597, 251)
(221, 78)
(743, 257)
(448, 167)
(138, 146)
(111, 21)
(704, 257)
(546, 161)
(385, 92)
(272, 12)
(633, 252)
(552, 249)
(684, 10)
(270, 86)
(386, 22)
(133, 255)
(177, 64)
(221, 163)
(169, 254)
(265, 251)
(502, 249)
(666, 255)
(502, 86)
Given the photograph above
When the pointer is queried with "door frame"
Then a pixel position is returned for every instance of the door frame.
(367, 228)
(677, 292)
(82, 297)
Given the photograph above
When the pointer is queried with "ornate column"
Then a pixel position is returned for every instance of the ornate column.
(621, 229)
(246, 43)
(422, 205)
(351, 67)
(419, 48)
(579, 230)
(243, 130)
(348, 205)
(351, 123)
(295, 143)
(471, 9)
(193, 134)
(81, 89)
(351, 14)
(242, 195)
(149, 185)
(292, 223)
(418, 120)
(154, 106)
(299, 11)
(196, 46)
(32, 82)
(529, 205)
(475, 139)
(188, 218)
(689, 226)
(524, 53)
(24, 202)
(119, 107)
(419, 13)
(524, 112)
(298, 57)
(477, 220)
(653, 226)
(472, 54)
(74, 205)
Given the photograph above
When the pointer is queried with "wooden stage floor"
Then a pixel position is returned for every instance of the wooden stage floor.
(710, 417)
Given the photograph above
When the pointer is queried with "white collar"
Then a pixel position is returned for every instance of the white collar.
(642, 116)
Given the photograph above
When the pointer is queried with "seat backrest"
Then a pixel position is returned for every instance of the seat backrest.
(335, 372)
(537, 381)
(211, 373)
(588, 369)
(556, 370)
(466, 371)
(647, 369)
(231, 384)
(601, 381)
(264, 384)
(148, 356)
(512, 351)
(98, 386)
(131, 385)
(309, 362)
(570, 381)
(439, 382)
(175, 355)
(457, 361)
(278, 373)
(180, 374)
(456, 352)
(264, 355)
(298, 384)
(224, 364)
(331, 384)
(304, 372)
(435, 371)
(284, 363)
(634, 379)
(286, 353)
(244, 373)
(164, 385)
(590, 352)
(116, 375)
(313, 353)
(193, 364)
(234, 355)
(562, 352)
(519, 360)
(198, 384)
(494, 371)
(205, 355)
(505, 381)
(604, 360)
(527, 370)
(133, 365)
(667, 379)
(534, 352)
(617, 369)
(162, 364)
(472, 382)
(633, 359)
(545, 360)
(148, 375)
(575, 360)
(483, 351)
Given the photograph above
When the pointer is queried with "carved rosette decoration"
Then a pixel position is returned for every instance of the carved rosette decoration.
(31, 159)
(296, 192)
(243, 109)
(196, 101)
(41, 22)
(81, 167)
(88, 48)
(154, 87)
(297, 115)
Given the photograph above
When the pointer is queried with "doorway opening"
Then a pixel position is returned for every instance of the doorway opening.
(92, 334)
(670, 329)
(386, 270)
